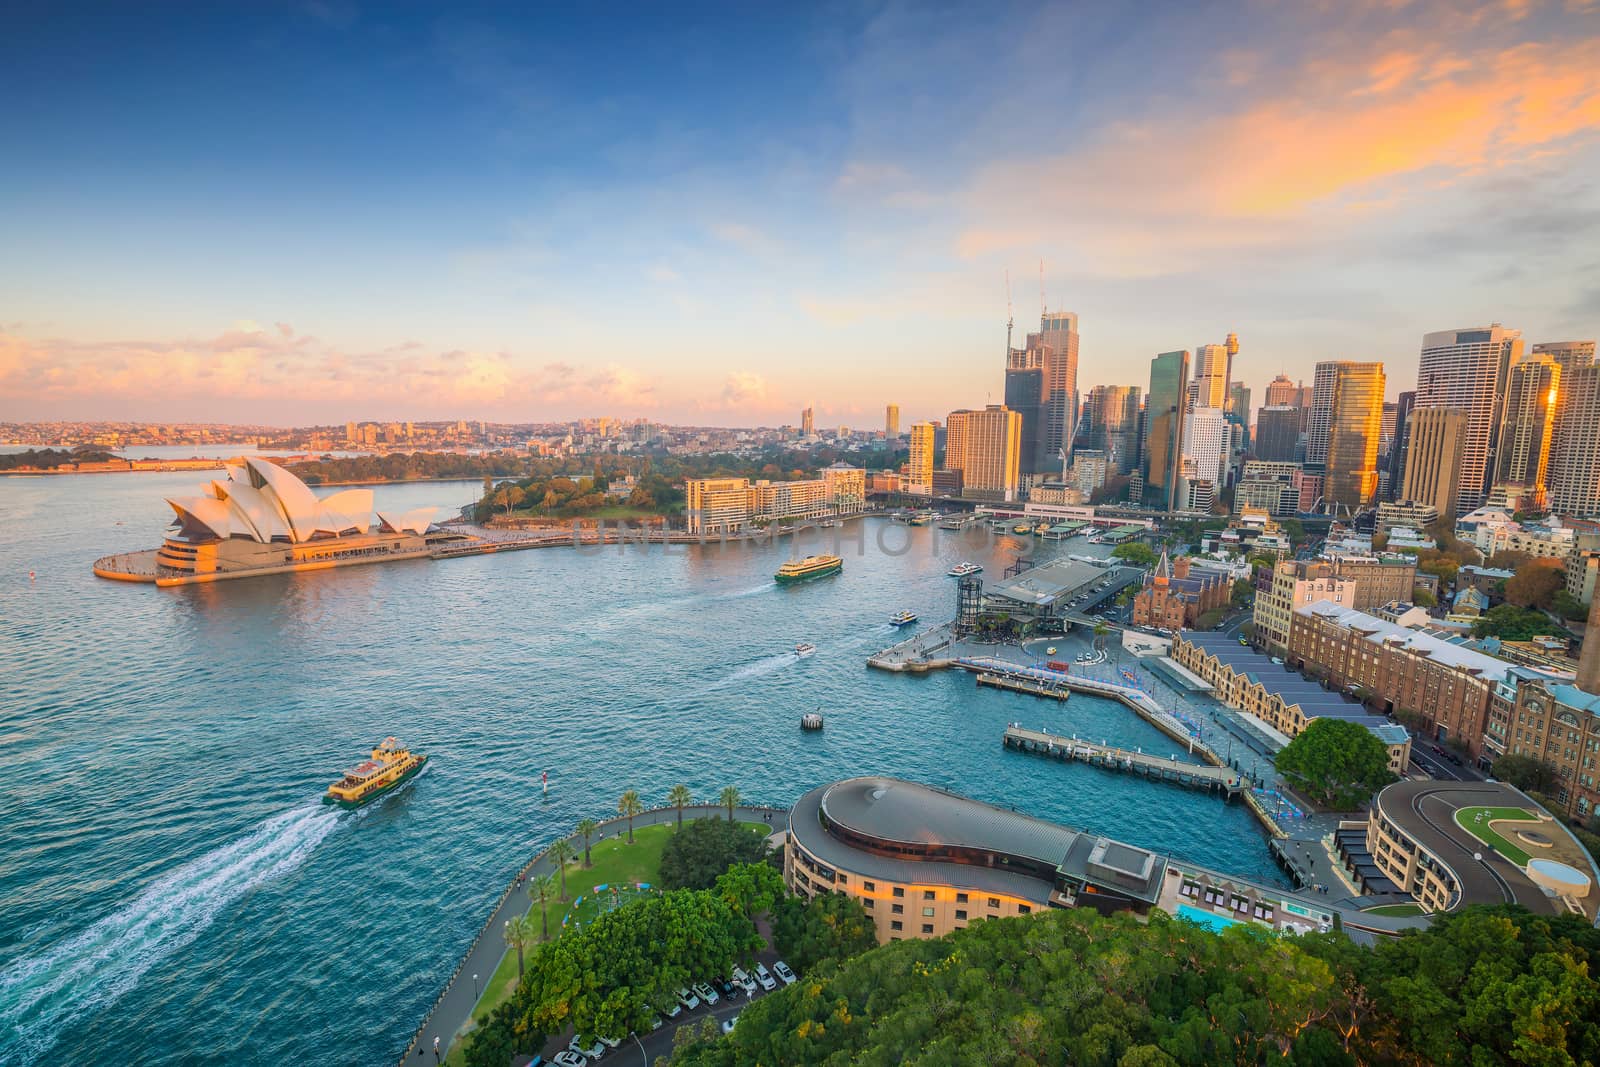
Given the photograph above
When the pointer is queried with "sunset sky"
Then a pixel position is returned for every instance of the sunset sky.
(291, 214)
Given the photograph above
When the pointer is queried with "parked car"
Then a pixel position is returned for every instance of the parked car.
(785, 975)
(723, 987)
(729, 1023)
(674, 1010)
(742, 979)
(689, 1001)
(764, 976)
(568, 1058)
(594, 1050)
(610, 1042)
(705, 992)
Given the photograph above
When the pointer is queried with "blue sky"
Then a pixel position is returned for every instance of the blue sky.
(720, 214)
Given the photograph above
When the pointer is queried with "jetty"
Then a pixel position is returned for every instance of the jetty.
(1055, 690)
(1224, 780)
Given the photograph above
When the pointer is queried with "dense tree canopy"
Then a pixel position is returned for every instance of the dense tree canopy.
(613, 975)
(1568, 606)
(1136, 552)
(51, 458)
(830, 926)
(1525, 772)
(1511, 623)
(407, 466)
(1536, 583)
(1337, 763)
(695, 856)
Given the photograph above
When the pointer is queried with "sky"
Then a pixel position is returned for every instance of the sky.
(317, 212)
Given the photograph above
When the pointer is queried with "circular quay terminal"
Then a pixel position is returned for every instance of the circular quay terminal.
(828, 541)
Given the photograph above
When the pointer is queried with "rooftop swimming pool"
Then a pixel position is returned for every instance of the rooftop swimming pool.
(1208, 919)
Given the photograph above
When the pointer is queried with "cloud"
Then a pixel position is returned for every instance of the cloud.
(744, 390)
(745, 237)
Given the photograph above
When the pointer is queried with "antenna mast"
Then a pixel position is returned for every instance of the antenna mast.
(1043, 308)
(1010, 321)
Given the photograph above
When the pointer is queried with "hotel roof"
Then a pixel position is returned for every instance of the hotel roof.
(1378, 631)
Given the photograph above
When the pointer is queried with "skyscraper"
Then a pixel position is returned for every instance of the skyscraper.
(1277, 432)
(1024, 390)
(985, 446)
(807, 423)
(1114, 425)
(1281, 392)
(1164, 411)
(1398, 443)
(919, 469)
(1058, 341)
(1355, 424)
(891, 421)
(1205, 435)
(1467, 370)
(1574, 476)
(1239, 410)
(1211, 376)
(1435, 438)
(1569, 354)
(1319, 419)
(1522, 455)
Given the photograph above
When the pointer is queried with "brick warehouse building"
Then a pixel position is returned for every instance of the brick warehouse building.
(1176, 594)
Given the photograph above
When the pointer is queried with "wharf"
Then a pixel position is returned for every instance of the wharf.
(1223, 780)
(1025, 685)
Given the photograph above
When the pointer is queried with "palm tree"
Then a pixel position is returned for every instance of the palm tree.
(730, 799)
(520, 935)
(679, 796)
(542, 887)
(563, 853)
(630, 806)
(587, 828)
(1100, 631)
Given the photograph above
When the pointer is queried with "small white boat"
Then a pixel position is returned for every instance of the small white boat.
(804, 648)
(903, 618)
(961, 570)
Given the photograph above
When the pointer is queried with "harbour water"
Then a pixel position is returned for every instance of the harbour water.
(172, 892)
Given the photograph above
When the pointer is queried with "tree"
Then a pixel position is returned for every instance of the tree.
(1422, 598)
(562, 852)
(1511, 623)
(1208, 620)
(750, 888)
(680, 797)
(829, 926)
(520, 935)
(1243, 591)
(587, 828)
(1100, 631)
(629, 806)
(730, 799)
(1568, 606)
(1526, 772)
(1135, 552)
(695, 856)
(1536, 583)
(1338, 763)
(541, 887)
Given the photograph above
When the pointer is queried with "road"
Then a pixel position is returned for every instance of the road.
(454, 1008)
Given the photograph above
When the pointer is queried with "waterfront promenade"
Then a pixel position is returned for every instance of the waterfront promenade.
(451, 1014)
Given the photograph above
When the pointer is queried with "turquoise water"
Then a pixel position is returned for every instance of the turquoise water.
(1210, 920)
(172, 892)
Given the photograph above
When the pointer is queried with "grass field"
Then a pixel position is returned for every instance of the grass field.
(1475, 821)
(1396, 911)
(615, 861)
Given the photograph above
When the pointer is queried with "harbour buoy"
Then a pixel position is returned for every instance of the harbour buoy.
(30, 576)
(811, 721)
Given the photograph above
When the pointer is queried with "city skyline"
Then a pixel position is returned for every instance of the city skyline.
(387, 216)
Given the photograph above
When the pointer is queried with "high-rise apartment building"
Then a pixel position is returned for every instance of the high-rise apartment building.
(1526, 422)
(1574, 474)
(1281, 392)
(1467, 370)
(1163, 417)
(1320, 416)
(1570, 355)
(1205, 437)
(1356, 419)
(1211, 377)
(891, 421)
(1024, 393)
(808, 424)
(1239, 410)
(1399, 441)
(1113, 425)
(919, 469)
(985, 446)
(1435, 440)
(1277, 433)
(1058, 340)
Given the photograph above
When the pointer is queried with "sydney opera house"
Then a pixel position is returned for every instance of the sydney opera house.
(263, 520)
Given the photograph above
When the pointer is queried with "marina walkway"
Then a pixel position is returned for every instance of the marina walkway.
(451, 1013)
(1165, 768)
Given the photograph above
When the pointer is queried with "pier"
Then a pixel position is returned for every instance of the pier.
(1055, 690)
(1222, 780)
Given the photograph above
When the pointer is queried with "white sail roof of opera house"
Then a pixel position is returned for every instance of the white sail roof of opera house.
(260, 501)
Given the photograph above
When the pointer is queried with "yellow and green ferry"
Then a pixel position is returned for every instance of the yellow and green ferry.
(391, 766)
(802, 570)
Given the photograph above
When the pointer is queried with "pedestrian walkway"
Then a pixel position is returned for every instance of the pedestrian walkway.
(452, 1012)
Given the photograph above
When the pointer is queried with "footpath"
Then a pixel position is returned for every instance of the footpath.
(452, 1012)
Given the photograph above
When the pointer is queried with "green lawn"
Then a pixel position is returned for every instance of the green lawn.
(1475, 821)
(615, 861)
(1397, 911)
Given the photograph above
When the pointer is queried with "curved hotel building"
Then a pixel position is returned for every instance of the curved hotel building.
(264, 520)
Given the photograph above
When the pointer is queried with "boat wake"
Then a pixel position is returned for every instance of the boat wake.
(43, 993)
(754, 669)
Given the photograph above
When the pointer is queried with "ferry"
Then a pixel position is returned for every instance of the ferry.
(903, 618)
(1022, 528)
(961, 570)
(920, 518)
(804, 648)
(800, 570)
(391, 765)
